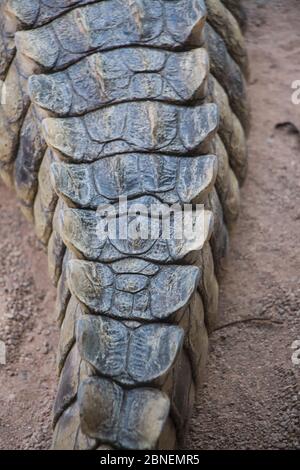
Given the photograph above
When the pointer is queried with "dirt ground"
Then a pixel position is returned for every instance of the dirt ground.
(251, 397)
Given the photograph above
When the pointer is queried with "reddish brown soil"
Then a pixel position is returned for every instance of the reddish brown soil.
(251, 398)
(28, 328)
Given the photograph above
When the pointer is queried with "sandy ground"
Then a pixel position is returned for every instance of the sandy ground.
(251, 397)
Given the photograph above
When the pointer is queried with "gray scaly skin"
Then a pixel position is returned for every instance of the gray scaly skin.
(237, 10)
(132, 108)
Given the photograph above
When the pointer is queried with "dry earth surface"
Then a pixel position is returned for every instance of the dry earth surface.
(251, 397)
